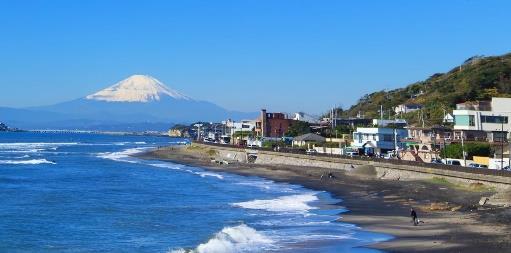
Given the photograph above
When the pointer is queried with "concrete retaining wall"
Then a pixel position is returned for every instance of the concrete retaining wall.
(383, 170)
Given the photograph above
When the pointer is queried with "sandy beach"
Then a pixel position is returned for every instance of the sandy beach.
(453, 220)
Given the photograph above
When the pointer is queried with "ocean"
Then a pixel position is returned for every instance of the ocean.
(84, 193)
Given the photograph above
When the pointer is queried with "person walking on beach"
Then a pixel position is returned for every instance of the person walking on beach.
(413, 214)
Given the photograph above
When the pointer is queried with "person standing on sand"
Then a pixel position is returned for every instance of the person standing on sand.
(413, 214)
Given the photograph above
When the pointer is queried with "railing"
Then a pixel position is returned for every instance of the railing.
(458, 168)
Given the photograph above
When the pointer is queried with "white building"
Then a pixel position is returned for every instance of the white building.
(405, 108)
(240, 126)
(386, 122)
(301, 116)
(378, 140)
(483, 121)
(448, 118)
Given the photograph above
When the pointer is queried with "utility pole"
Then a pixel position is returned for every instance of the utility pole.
(434, 144)
(331, 130)
(241, 141)
(198, 131)
(381, 114)
(502, 142)
(422, 118)
(463, 150)
(233, 132)
(443, 119)
(395, 141)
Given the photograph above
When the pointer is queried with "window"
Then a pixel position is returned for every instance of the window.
(388, 137)
(499, 136)
(464, 120)
(494, 119)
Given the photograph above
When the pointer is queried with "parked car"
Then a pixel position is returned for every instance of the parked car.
(477, 166)
(311, 151)
(388, 155)
(352, 153)
(437, 161)
(453, 162)
(253, 146)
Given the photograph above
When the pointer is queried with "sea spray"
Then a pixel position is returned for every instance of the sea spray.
(290, 204)
(241, 238)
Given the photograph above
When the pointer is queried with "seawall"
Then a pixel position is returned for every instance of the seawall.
(382, 169)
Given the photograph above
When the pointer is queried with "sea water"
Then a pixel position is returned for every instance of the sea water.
(85, 193)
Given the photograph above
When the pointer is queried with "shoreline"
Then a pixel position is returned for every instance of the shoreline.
(382, 206)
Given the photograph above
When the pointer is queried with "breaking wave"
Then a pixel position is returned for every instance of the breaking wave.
(121, 155)
(209, 174)
(33, 161)
(240, 238)
(292, 203)
(177, 167)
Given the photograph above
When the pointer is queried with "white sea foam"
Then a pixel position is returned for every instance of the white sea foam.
(267, 185)
(293, 203)
(240, 238)
(209, 174)
(177, 167)
(24, 145)
(166, 166)
(33, 161)
(32, 147)
(21, 157)
(140, 142)
(122, 156)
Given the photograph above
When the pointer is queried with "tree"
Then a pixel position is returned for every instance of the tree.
(472, 149)
(298, 128)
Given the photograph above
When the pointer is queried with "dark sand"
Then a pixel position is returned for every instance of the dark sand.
(453, 220)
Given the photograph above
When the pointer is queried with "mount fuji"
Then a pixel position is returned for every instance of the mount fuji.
(139, 102)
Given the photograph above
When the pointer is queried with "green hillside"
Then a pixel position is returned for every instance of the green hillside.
(478, 78)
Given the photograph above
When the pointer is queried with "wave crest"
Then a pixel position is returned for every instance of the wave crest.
(240, 238)
(293, 203)
(32, 161)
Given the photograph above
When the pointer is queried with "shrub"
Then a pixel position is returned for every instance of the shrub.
(472, 149)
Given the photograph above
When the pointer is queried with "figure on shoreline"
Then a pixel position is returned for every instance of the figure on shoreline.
(330, 175)
(413, 214)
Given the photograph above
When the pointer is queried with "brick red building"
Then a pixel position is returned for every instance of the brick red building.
(272, 124)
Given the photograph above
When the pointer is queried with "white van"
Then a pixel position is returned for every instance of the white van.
(453, 162)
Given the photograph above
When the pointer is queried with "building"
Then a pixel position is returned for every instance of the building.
(378, 140)
(239, 132)
(306, 139)
(385, 122)
(424, 144)
(301, 116)
(430, 135)
(483, 121)
(350, 122)
(272, 124)
(448, 118)
(406, 108)
(175, 133)
(244, 126)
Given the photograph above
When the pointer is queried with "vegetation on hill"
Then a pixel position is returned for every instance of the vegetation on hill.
(478, 78)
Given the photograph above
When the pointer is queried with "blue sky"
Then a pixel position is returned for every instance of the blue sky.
(244, 55)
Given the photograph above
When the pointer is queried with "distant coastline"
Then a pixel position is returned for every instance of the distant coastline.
(6, 128)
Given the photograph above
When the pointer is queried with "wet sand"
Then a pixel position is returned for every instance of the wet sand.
(453, 221)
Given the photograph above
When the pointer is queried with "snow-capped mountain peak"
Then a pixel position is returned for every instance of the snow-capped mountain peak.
(136, 88)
